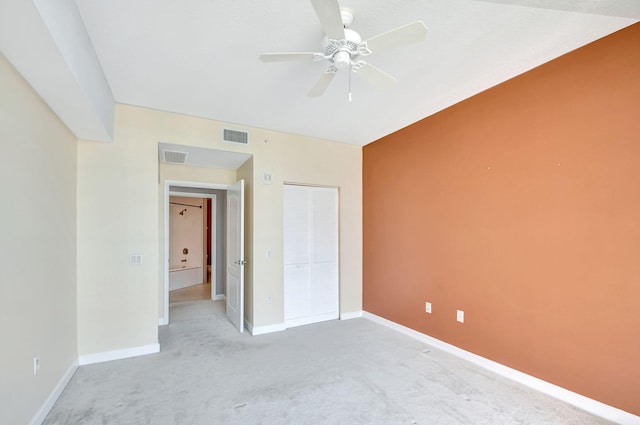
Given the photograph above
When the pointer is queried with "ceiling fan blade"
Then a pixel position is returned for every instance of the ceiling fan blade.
(375, 76)
(401, 36)
(330, 17)
(322, 84)
(284, 57)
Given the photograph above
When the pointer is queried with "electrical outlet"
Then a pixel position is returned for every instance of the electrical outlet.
(427, 307)
(460, 316)
(36, 364)
(269, 299)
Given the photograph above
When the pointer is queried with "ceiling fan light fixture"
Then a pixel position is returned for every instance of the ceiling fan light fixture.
(341, 60)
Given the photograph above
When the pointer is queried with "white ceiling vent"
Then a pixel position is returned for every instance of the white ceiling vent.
(174, 157)
(235, 136)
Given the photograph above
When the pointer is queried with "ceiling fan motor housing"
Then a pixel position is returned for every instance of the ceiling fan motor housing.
(342, 52)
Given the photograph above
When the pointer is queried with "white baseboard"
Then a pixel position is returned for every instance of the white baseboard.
(260, 330)
(351, 315)
(219, 297)
(118, 354)
(592, 406)
(301, 321)
(44, 410)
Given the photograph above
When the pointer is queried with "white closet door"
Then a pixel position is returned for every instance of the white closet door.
(310, 254)
(324, 254)
(297, 291)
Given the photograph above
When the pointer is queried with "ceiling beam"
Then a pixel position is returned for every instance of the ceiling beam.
(49, 46)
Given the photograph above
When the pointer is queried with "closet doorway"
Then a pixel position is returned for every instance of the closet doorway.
(311, 268)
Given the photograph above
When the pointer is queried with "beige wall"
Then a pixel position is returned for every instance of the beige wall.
(304, 161)
(119, 304)
(117, 217)
(37, 247)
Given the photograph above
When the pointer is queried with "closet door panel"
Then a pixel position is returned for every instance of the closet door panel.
(324, 291)
(324, 233)
(297, 294)
(296, 226)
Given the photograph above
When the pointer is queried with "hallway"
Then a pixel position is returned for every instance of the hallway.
(191, 293)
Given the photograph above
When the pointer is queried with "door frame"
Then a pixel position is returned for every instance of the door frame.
(213, 236)
(164, 320)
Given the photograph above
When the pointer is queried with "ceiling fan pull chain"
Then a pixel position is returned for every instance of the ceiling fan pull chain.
(349, 82)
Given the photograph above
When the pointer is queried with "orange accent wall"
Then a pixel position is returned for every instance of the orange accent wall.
(521, 206)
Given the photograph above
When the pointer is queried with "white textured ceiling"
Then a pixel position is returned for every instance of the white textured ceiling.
(200, 57)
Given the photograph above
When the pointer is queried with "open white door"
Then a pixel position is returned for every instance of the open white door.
(235, 255)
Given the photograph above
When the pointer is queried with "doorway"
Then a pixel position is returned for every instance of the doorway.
(226, 279)
(193, 242)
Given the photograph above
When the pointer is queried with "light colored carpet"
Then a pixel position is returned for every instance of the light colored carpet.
(337, 372)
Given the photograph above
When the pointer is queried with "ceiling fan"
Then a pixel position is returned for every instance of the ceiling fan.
(344, 48)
